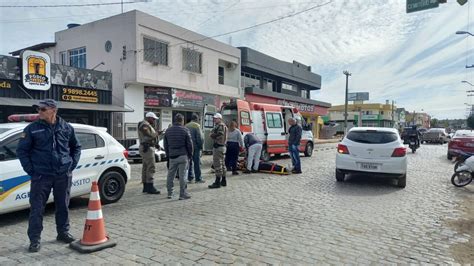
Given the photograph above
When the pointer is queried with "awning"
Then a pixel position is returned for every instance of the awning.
(66, 105)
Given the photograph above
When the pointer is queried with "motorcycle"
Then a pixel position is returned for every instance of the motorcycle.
(459, 158)
(463, 174)
(412, 144)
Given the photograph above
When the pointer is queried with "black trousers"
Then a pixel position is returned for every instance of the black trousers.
(39, 193)
(232, 155)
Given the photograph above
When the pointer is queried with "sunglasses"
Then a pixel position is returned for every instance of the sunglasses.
(42, 109)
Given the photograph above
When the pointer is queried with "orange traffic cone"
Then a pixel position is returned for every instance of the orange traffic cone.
(94, 237)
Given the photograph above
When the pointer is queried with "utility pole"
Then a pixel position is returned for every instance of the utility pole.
(345, 72)
(393, 114)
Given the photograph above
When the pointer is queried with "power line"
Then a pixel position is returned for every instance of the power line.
(72, 5)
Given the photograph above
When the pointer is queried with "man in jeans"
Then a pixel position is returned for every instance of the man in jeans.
(196, 136)
(179, 148)
(294, 139)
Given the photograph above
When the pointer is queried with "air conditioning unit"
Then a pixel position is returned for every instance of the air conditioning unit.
(230, 66)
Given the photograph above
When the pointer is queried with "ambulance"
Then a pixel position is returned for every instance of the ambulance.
(270, 123)
(103, 159)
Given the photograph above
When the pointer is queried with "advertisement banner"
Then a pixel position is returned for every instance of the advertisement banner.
(157, 97)
(9, 67)
(36, 74)
(302, 107)
(79, 77)
(193, 100)
(79, 95)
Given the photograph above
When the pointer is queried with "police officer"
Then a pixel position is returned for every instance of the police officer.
(49, 151)
(147, 137)
(219, 135)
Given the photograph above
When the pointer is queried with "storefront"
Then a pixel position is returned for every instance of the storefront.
(84, 96)
(311, 110)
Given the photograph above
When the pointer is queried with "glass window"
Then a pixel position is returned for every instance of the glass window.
(63, 58)
(90, 141)
(77, 57)
(244, 118)
(274, 120)
(8, 150)
(268, 84)
(221, 75)
(155, 51)
(289, 87)
(372, 137)
(192, 60)
(208, 121)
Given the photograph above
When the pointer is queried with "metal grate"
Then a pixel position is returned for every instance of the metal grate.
(155, 52)
(192, 60)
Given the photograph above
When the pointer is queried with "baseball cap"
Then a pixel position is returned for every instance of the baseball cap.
(46, 103)
(217, 115)
(151, 114)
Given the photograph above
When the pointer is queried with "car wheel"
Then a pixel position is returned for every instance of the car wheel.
(402, 181)
(450, 157)
(265, 155)
(340, 176)
(111, 187)
(308, 151)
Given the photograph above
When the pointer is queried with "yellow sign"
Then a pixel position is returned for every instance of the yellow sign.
(36, 70)
(80, 95)
(5, 85)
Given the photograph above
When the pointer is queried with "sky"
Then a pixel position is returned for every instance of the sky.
(414, 59)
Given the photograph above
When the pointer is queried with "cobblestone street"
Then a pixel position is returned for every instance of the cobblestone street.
(270, 219)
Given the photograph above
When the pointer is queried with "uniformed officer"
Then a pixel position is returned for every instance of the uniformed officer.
(147, 136)
(219, 135)
(49, 151)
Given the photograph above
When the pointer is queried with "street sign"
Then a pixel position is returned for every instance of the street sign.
(419, 5)
(358, 96)
(462, 2)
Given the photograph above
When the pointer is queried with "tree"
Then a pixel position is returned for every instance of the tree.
(470, 122)
(434, 122)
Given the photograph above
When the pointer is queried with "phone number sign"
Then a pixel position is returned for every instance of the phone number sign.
(79, 95)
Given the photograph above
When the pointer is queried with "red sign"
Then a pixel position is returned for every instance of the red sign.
(304, 108)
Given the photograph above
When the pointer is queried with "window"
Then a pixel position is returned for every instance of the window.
(244, 118)
(274, 120)
(372, 136)
(208, 120)
(304, 93)
(8, 150)
(288, 87)
(90, 141)
(192, 60)
(77, 57)
(155, 52)
(249, 80)
(221, 75)
(63, 58)
(268, 84)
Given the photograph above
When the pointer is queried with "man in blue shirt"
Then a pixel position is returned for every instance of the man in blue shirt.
(49, 151)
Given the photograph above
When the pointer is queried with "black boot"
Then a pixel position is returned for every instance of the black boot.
(145, 188)
(223, 181)
(217, 183)
(151, 189)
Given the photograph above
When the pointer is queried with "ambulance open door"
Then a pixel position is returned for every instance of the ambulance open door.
(207, 123)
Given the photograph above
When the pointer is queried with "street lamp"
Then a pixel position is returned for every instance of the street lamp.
(460, 32)
(465, 81)
(345, 72)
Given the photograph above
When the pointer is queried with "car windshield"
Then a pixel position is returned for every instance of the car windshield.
(372, 137)
(465, 134)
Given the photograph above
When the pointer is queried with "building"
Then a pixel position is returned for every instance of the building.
(157, 66)
(268, 80)
(419, 119)
(79, 101)
(370, 114)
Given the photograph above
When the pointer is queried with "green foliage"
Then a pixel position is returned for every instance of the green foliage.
(470, 122)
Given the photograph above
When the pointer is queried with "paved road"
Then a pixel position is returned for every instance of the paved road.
(262, 218)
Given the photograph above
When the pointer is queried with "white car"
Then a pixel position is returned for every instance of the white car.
(103, 159)
(372, 150)
(134, 153)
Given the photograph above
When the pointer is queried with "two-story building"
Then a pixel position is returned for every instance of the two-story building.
(371, 114)
(418, 118)
(156, 65)
(266, 79)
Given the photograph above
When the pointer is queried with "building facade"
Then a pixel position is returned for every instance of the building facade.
(268, 80)
(419, 119)
(368, 114)
(78, 100)
(157, 66)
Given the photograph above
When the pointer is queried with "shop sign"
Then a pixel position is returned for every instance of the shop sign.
(9, 68)
(79, 95)
(190, 99)
(36, 73)
(5, 85)
(302, 107)
(155, 96)
(80, 77)
(370, 117)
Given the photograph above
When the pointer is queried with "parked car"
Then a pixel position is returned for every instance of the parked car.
(462, 141)
(103, 159)
(134, 154)
(372, 150)
(436, 135)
